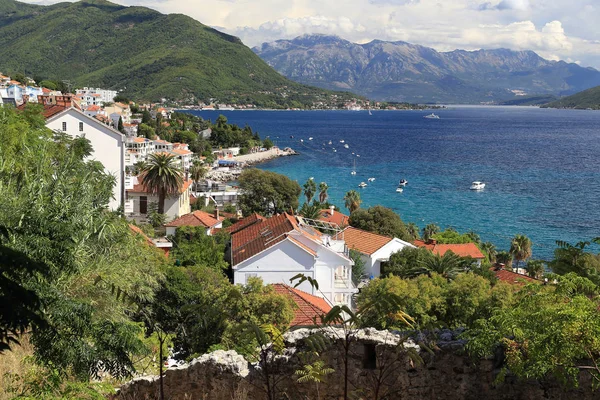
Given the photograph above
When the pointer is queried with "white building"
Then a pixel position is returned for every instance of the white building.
(279, 248)
(183, 154)
(97, 96)
(139, 201)
(375, 249)
(141, 146)
(108, 144)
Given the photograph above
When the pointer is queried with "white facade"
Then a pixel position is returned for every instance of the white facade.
(108, 145)
(373, 261)
(298, 254)
(96, 95)
(139, 203)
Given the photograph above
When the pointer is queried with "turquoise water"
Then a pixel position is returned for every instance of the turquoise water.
(541, 167)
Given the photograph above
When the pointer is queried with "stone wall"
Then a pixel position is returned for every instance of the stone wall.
(380, 366)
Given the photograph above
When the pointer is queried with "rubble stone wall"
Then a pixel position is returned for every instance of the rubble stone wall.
(380, 366)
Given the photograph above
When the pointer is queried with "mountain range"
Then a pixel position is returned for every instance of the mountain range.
(400, 71)
(146, 54)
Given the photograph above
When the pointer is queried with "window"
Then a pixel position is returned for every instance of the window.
(81, 127)
(341, 272)
(64, 126)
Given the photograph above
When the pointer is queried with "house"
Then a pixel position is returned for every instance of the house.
(96, 95)
(197, 218)
(375, 249)
(278, 248)
(119, 110)
(139, 200)
(108, 144)
(182, 152)
(513, 278)
(334, 217)
(244, 223)
(163, 244)
(461, 250)
(163, 145)
(142, 146)
(309, 308)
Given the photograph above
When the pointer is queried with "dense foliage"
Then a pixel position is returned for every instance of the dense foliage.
(267, 192)
(146, 54)
(381, 220)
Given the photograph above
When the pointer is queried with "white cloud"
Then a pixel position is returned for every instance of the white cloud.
(519, 5)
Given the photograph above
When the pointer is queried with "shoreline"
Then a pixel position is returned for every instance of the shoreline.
(246, 161)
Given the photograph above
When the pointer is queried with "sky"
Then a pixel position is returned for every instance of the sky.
(556, 29)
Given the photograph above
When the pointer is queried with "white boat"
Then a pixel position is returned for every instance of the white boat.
(371, 179)
(330, 142)
(312, 178)
(432, 116)
(399, 189)
(310, 138)
(362, 185)
(354, 168)
(346, 146)
(477, 185)
(334, 150)
(403, 182)
(301, 140)
(370, 112)
(342, 141)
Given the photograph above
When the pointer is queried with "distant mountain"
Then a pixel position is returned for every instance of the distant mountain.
(587, 99)
(149, 54)
(400, 71)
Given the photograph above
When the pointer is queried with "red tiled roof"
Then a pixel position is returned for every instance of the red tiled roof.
(259, 236)
(139, 188)
(337, 218)
(513, 278)
(196, 218)
(363, 241)
(93, 107)
(309, 308)
(462, 250)
(244, 223)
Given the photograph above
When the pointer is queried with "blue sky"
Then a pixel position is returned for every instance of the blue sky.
(555, 29)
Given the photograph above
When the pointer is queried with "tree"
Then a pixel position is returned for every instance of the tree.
(520, 248)
(146, 131)
(489, 249)
(193, 247)
(573, 258)
(315, 372)
(549, 331)
(197, 173)
(163, 177)
(381, 220)
(449, 265)
(268, 143)
(504, 257)
(452, 236)
(121, 99)
(267, 192)
(310, 188)
(352, 201)
(358, 269)
(413, 231)
(146, 117)
(405, 261)
(323, 188)
(310, 211)
(535, 268)
(429, 231)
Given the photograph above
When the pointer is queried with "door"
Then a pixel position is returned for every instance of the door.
(143, 205)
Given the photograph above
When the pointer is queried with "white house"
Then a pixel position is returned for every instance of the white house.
(108, 144)
(208, 221)
(182, 152)
(141, 146)
(96, 95)
(279, 248)
(375, 249)
(139, 200)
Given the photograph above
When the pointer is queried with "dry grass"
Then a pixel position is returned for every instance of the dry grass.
(12, 362)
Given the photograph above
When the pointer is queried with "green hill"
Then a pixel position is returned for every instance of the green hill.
(146, 54)
(589, 98)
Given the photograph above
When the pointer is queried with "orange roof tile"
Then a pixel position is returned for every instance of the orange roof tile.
(196, 218)
(513, 277)
(181, 152)
(139, 188)
(462, 249)
(309, 308)
(363, 241)
(93, 107)
(337, 218)
(244, 223)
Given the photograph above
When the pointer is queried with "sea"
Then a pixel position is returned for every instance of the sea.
(541, 167)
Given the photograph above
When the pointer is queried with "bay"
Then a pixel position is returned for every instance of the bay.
(541, 166)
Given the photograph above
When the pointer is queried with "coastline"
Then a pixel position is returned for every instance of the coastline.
(248, 160)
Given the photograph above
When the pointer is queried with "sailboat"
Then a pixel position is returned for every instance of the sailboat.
(354, 168)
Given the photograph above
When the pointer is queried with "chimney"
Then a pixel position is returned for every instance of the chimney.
(331, 210)
(217, 213)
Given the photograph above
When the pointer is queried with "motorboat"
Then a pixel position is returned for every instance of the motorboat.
(362, 185)
(399, 189)
(353, 173)
(301, 140)
(432, 116)
(477, 185)
(329, 142)
(312, 178)
(334, 150)
(371, 179)
(342, 141)
(310, 138)
(403, 182)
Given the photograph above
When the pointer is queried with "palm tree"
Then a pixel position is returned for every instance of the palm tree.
(323, 192)
(520, 248)
(197, 172)
(310, 211)
(449, 265)
(352, 201)
(163, 177)
(535, 268)
(429, 231)
(139, 167)
(490, 251)
(413, 230)
(310, 188)
(504, 257)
